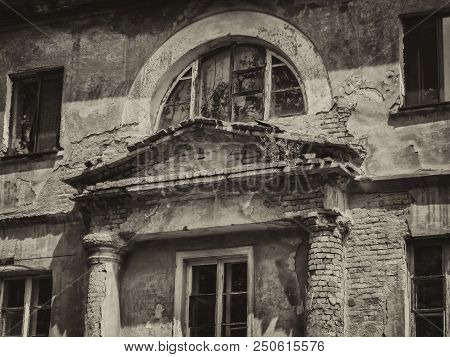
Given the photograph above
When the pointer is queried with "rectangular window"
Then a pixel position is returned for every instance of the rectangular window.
(215, 298)
(25, 306)
(426, 59)
(35, 112)
(429, 289)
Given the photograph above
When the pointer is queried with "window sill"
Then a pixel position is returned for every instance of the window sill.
(420, 115)
(31, 156)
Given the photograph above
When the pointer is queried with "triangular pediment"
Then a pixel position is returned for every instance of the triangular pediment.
(206, 147)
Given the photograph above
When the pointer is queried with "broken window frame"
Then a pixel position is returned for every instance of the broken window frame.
(183, 284)
(39, 76)
(30, 304)
(445, 276)
(266, 68)
(442, 66)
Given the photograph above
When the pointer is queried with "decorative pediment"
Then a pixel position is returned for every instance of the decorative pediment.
(205, 150)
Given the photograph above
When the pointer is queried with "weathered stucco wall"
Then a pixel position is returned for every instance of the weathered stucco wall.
(51, 247)
(148, 277)
(103, 54)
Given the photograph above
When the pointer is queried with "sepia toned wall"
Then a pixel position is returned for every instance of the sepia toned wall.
(103, 49)
(280, 258)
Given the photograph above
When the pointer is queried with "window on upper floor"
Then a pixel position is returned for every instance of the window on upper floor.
(240, 82)
(426, 59)
(35, 112)
(430, 295)
(25, 306)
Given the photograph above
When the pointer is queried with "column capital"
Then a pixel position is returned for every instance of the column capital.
(104, 246)
(328, 220)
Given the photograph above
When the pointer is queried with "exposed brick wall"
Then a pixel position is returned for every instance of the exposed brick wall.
(375, 265)
(334, 122)
(95, 296)
(325, 273)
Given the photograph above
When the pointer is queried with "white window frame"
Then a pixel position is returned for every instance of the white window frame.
(27, 304)
(183, 280)
(267, 90)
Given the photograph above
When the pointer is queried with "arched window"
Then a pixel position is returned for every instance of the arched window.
(237, 83)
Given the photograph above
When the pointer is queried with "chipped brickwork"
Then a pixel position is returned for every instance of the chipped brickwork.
(325, 297)
(95, 296)
(375, 264)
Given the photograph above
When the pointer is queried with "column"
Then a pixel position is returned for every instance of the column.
(102, 315)
(325, 292)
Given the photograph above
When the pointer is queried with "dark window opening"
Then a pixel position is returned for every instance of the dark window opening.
(26, 307)
(237, 83)
(218, 300)
(35, 113)
(426, 60)
(428, 289)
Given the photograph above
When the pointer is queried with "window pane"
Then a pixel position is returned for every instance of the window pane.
(202, 331)
(49, 113)
(40, 321)
(287, 102)
(174, 114)
(181, 93)
(235, 277)
(25, 104)
(283, 78)
(421, 61)
(215, 86)
(429, 293)
(12, 322)
(429, 326)
(246, 57)
(248, 81)
(235, 308)
(427, 260)
(204, 279)
(234, 331)
(202, 311)
(248, 108)
(14, 293)
(42, 291)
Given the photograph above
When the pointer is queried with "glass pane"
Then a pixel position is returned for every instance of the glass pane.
(174, 114)
(287, 102)
(12, 322)
(248, 108)
(234, 331)
(246, 57)
(14, 293)
(25, 104)
(234, 308)
(41, 322)
(49, 113)
(215, 86)
(429, 326)
(427, 260)
(42, 291)
(283, 78)
(204, 279)
(248, 81)
(421, 61)
(235, 277)
(181, 93)
(429, 293)
(202, 331)
(202, 310)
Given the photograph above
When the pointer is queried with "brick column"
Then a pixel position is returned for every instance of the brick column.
(102, 315)
(325, 295)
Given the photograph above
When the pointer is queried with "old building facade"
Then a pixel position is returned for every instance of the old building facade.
(224, 168)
